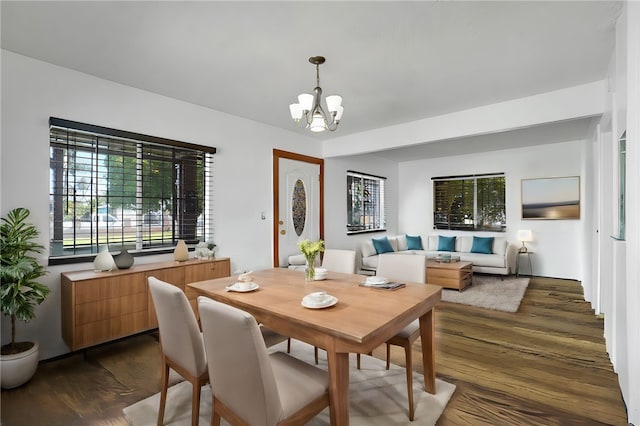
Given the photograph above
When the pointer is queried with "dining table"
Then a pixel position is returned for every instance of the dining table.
(357, 318)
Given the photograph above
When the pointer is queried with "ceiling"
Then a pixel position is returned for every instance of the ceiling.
(392, 62)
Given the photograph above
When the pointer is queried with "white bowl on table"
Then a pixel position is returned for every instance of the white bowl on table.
(320, 274)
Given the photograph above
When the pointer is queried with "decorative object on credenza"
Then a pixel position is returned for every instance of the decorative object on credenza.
(524, 235)
(181, 252)
(104, 261)
(212, 249)
(309, 110)
(205, 250)
(201, 251)
(551, 198)
(124, 260)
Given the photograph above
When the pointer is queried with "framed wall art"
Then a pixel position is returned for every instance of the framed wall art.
(551, 198)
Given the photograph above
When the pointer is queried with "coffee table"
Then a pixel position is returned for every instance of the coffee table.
(456, 275)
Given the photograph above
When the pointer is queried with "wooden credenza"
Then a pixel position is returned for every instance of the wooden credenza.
(98, 307)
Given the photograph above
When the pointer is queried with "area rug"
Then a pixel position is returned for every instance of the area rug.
(490, 292)
(376, 396)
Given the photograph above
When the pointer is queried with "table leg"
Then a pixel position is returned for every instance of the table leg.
(427, 331)
(338, 387)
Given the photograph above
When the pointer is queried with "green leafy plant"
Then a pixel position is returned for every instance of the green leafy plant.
(19, 290)
(310, 249)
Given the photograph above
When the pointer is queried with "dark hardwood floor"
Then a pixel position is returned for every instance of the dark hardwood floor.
(544, 365)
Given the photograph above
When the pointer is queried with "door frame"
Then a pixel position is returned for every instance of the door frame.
(277, 155)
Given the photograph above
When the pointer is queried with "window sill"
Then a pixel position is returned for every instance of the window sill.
(366, 231)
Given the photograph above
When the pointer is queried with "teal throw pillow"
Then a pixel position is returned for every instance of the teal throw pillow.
(482, 245)
(414, 242)
(446, 243)
(382, 245)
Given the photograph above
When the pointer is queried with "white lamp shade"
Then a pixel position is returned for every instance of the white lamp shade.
(333, 102)
(317, 124)
(524, 235)
(296, 111)
(339, 112)
(306, 100)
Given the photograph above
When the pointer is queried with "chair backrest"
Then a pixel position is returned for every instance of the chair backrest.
(239, 365)
(180, 335)
(403, 267)
(339, 261)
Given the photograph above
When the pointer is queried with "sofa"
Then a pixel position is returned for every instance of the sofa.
(490, 255)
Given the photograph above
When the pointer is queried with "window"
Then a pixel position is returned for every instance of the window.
(473, 203)
(365, 203)
(122, 189)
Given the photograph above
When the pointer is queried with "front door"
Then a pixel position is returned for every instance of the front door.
(298, 202)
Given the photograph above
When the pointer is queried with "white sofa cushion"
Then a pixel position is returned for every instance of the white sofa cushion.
(297, 259)
(370, 262)
(487, 260)
(432, 244)
(463, 243)
(368, 249)
(394, 243)
(500, 245)
(402, 242)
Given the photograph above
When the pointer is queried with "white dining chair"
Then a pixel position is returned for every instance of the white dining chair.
(410, 267)
(249, 385)
(336, 260)
(180, 341)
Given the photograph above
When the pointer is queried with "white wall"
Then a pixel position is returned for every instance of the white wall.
(618, 261)
(32, 91)
(556, 244)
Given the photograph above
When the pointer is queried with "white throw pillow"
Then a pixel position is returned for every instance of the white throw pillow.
(402, 242)
(394, 243)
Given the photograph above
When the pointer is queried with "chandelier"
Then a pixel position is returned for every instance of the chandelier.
(309, 111)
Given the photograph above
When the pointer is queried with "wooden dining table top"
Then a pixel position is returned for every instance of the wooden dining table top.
(362, 319)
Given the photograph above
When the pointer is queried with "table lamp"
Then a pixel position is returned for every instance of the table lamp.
(524, 235)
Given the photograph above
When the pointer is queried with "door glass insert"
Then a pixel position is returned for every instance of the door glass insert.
(299, 207)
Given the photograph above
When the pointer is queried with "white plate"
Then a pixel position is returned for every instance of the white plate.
(236, 287)
(376, 280)
(331, 300)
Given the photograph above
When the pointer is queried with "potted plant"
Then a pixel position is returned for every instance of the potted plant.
(19, 293)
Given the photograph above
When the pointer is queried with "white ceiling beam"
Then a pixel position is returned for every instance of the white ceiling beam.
(586, 100)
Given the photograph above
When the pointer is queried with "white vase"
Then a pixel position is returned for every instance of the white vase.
(104, 261)
(181, 253)
(17, 369)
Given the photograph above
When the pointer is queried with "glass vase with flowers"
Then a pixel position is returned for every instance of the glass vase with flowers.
(310, 250)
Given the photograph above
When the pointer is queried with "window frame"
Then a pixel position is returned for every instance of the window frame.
(187, 191)
(470, 186)
(377, 215)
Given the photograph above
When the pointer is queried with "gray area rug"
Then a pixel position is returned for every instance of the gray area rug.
(376, 396)
(490, 292)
